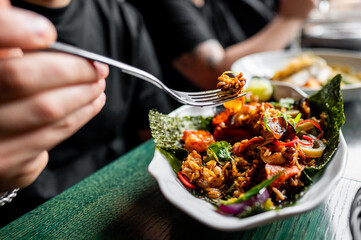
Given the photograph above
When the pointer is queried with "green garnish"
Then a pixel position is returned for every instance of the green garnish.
(175, 156)
(219, 151)
(297, 118)
(252, 192)
(265, 121)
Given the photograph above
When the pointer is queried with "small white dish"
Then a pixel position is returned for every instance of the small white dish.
(265, 64)
(174, 191)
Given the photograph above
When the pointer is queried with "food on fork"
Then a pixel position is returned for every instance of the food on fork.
(232, 82)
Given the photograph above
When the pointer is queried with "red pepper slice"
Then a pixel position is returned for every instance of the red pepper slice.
(185, 180)
(314, 123)
(291, 143)
(308, 139)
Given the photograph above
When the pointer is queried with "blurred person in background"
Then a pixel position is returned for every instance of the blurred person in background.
(114, 29)
(197, 40)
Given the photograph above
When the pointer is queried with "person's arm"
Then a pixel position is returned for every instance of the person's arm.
(209, 59)
(44, 97)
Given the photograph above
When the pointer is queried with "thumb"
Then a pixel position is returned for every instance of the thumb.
(4, 3)
(24, 29)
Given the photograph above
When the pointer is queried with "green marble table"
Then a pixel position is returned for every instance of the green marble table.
(122, 201)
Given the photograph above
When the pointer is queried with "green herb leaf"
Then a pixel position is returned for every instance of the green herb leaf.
(175, 156)
(265, 121)
(220, 151)
(297, 118)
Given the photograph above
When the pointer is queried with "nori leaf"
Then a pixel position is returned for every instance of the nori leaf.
(175, 156)
(167, 131)
(328, 100)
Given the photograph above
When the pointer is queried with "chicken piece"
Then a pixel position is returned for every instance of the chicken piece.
(197, 140)
(192, 166)
(240, 147)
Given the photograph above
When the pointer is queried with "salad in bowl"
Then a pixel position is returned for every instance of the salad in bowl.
(248, 157)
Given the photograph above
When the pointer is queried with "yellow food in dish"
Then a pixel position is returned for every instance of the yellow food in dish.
(310, 70)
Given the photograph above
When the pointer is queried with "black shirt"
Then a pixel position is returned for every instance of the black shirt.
(111, 28)
(178, 26)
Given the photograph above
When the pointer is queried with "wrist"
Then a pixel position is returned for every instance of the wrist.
(291, 19)
(291, 23)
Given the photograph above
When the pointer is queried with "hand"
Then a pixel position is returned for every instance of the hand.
(298, 9)
(44, 97)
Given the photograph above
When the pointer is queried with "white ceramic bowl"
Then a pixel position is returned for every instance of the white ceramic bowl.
(204, 212)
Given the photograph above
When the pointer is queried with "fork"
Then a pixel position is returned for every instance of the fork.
(198, 99)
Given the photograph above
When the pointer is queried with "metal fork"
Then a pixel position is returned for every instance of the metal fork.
(199, 99)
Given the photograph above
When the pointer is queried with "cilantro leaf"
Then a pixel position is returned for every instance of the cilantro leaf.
(220, 151)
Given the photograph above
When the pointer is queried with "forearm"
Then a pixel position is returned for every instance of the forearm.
(208, 60)
(276, 35)
(203, 65)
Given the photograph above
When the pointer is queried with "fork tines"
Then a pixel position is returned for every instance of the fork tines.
(213, 95)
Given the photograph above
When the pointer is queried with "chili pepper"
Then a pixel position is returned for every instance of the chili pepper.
(308, 139)
(290, 143)
(314, 123)
(185, 180)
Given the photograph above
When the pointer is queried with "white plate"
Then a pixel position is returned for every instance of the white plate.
(265, 64)
(204, 212)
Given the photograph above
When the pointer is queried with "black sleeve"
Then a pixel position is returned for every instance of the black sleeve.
(147, 96)
(176, 25)
(253, 15)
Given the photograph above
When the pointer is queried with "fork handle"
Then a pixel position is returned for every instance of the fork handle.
(66, 48)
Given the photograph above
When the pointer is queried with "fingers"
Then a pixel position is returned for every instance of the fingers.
(44, 97)
(19, 155)
(48, 136)
(10, 52)
(25, 29)
(40, 71)
(23, 175)
(4, 3)
(46, 107)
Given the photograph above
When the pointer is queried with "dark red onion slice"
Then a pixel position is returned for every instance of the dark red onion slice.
(237, 208)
